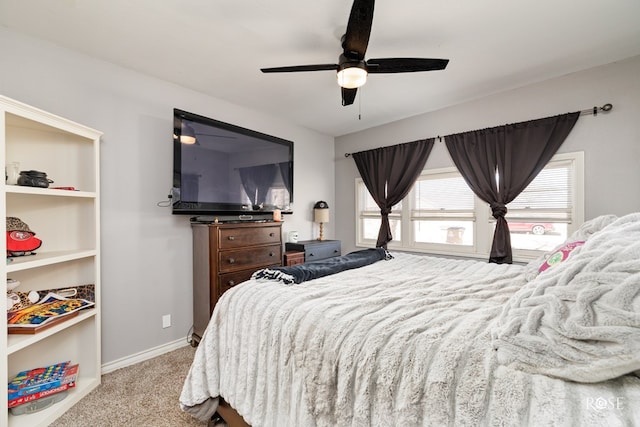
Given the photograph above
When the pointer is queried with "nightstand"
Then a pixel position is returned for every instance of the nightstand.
(316, 250)
(293, 258)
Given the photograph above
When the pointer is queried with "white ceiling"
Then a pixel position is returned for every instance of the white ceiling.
(217, 47)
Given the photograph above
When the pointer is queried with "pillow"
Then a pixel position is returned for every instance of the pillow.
(561, 254)
(588, 228)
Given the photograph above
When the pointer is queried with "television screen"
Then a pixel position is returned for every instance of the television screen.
(220, 168)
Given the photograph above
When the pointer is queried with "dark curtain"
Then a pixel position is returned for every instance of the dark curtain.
(285, 171)
(517, 153)
(257, 180)
(389, 173)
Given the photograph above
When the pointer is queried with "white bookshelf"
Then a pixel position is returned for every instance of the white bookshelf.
(68, 223)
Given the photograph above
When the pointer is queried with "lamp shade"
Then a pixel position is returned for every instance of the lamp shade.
(321, 212)
(352, 77)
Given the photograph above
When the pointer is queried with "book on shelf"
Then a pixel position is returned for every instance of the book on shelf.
(51, 309)
(26, 385)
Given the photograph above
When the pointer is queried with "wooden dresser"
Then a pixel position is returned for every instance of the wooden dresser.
(225, 255)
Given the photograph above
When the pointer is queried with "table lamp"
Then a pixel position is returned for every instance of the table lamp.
(321, 215)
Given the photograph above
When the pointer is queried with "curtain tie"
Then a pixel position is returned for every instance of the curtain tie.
(498, 210)
(385, 211)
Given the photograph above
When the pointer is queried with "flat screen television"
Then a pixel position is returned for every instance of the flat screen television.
(223, 169)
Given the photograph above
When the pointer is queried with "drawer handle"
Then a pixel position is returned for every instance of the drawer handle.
(232, 261)
(271, 254)
(311, 254)
(231, 283)
(335, 251)
(231, 238)
(271, 234)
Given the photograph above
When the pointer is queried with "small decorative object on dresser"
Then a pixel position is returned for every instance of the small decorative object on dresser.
(316, 250)
(225, 255)
(293, 237)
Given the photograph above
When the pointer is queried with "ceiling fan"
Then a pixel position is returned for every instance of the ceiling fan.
(352, 69)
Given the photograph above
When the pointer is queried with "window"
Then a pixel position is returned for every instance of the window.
(441, 214)
(539, 217)
(369, 218)
(442, 209)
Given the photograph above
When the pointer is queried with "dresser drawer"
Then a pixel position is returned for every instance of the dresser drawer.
(229, 280)
(230, 238)
(316, 250)
(320, 252)
(254, 257)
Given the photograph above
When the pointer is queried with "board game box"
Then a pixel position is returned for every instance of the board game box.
(27, 384)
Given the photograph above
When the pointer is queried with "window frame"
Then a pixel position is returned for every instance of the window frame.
(360, 215)
(484, 222)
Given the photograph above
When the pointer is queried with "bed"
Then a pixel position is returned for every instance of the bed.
(425, 341)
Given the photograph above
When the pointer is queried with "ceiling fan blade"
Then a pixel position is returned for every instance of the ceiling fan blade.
(405, 65)
(356, 39)
(348, 96)
(298, 68)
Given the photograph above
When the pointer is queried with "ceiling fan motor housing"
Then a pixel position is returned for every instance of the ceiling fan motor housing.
(345, 62)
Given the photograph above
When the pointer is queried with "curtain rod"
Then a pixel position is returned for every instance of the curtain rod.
(593, 111)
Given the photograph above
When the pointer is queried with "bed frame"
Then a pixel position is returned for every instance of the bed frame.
(230, 415)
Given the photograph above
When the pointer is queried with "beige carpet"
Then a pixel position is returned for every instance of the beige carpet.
(141, 395)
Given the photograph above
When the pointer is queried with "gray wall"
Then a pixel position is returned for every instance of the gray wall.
(146, 252)
(611, 142)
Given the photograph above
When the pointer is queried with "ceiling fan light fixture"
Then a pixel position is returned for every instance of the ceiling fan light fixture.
(352, 77)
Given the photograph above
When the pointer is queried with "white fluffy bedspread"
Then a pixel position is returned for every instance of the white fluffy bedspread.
(405, 342)
(580, 320)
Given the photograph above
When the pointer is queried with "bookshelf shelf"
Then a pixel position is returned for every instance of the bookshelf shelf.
(17, 342)
(42, 259)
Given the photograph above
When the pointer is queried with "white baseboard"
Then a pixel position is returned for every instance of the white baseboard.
(143, 355)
